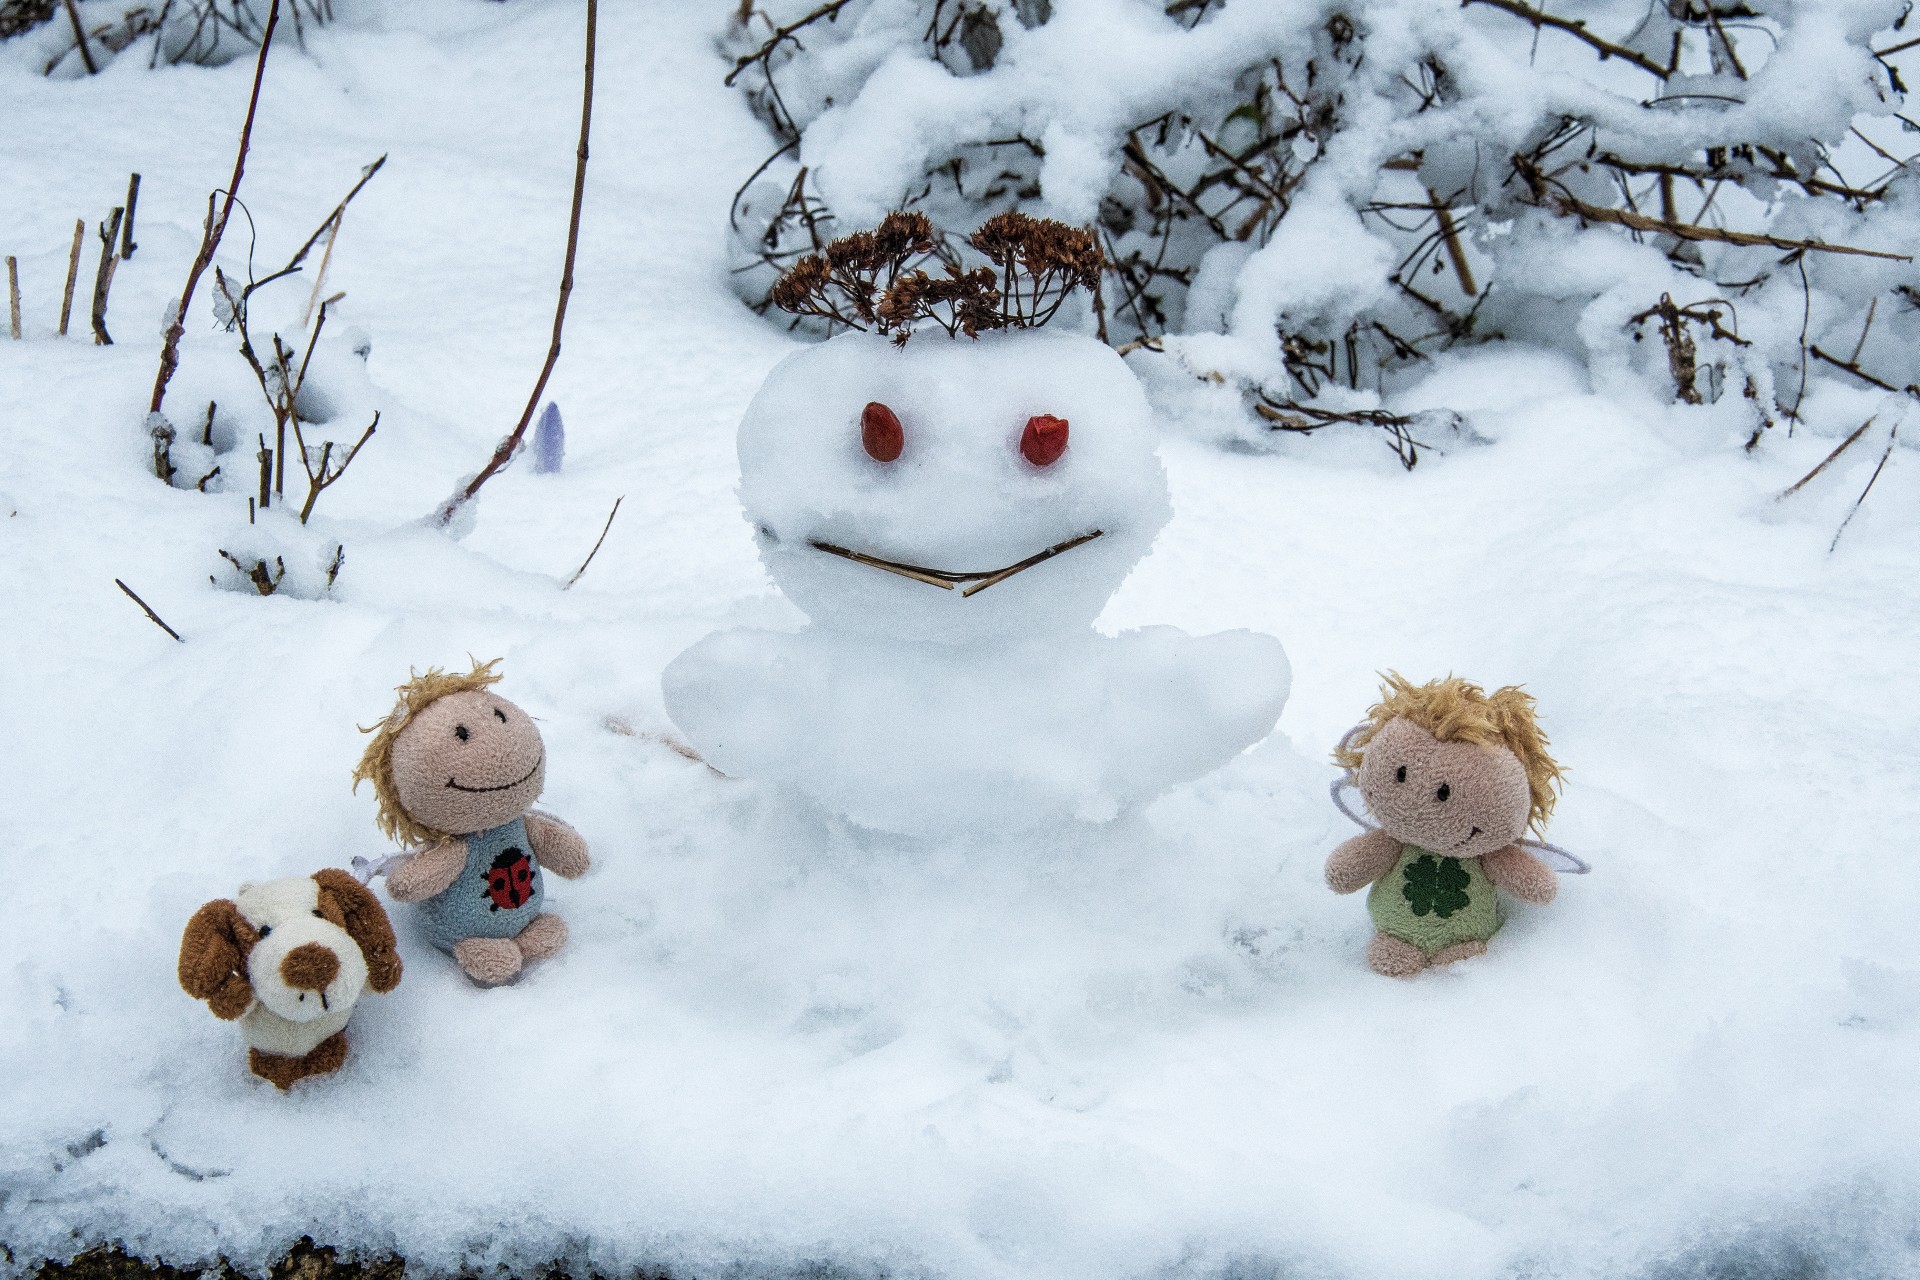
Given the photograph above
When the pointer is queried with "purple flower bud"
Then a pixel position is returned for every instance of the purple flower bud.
(549, 441)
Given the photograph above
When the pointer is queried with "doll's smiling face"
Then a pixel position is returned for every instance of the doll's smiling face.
(1458, 799)
(467, 762)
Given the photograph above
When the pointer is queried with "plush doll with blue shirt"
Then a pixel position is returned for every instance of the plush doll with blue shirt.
(456, 769)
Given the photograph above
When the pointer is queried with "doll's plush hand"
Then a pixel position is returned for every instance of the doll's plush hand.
(1360, 861)
(430, 871)
(1520, 874)
(558, 846)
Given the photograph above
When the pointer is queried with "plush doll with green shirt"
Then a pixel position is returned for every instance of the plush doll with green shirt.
(1454, 776)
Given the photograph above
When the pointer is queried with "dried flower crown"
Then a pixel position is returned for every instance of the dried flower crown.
(876, 280)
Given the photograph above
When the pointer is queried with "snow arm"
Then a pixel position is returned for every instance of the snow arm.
(558, 846)
(1360, 861)
(1520, 874)
(430, 871)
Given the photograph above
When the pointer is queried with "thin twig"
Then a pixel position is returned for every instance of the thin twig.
(596, 544)
(321, 480)
(1577, 28)
(147, 609)
(13, 295)
(320, 277)
(1839, 449)
(329, 224)
(1893, 438)
(215, 228)
(507, 447)
(782, 35)
(86, 54)
(73, 273)
(1853, 369)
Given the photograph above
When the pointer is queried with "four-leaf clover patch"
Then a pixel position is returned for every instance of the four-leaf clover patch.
(1435, 884)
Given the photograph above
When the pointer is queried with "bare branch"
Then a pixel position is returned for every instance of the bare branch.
(507, 447)
(1564, 202)
(148, 609)
(215, 227)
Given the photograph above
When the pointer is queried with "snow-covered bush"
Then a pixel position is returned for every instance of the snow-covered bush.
(207, 32)
(1301, 202)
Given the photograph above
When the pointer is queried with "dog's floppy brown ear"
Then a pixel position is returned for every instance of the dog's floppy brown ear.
(213, 958)
(362, 916)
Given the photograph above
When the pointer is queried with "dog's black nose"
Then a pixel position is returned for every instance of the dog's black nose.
(309, 967)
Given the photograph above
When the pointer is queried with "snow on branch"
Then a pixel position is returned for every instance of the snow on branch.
(1343, 193)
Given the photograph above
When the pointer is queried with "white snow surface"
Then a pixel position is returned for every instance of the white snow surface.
(1148, 1049)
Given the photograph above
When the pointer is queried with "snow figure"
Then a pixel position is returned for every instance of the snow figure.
(952, 513)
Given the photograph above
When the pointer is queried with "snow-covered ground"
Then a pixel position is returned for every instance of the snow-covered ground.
(775, 1043)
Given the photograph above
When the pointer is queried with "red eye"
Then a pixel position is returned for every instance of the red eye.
(881, 434)
(1044, 440)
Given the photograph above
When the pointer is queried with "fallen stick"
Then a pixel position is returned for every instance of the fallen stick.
(596, 545)
(13, 294)
(73, 273)
(147, 609)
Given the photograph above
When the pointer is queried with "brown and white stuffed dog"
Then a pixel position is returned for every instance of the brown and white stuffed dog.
(289, 958)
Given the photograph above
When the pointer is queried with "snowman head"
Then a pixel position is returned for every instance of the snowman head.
(952, 489)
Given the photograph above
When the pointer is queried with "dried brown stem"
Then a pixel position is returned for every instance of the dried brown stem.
(127, 246)
(13, 295)
(1577, 28)
(148, 609)
(507, 447)
(596, 543)
(215, 227)
(73, 273)
(103, 278)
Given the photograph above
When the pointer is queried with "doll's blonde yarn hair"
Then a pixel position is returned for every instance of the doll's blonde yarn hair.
(376, 764)
(1456, 710)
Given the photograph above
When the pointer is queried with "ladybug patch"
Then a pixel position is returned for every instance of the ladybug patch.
(509, 881)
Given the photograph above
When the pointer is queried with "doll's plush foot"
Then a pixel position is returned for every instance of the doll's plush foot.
(488, 961)
(1458, 951)
(1394, 957)
(327, 1056)
(545, 934)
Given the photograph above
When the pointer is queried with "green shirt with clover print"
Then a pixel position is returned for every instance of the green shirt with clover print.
(1434, 901)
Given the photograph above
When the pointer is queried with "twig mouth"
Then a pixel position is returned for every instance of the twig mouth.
(505, 786)
(946, 579)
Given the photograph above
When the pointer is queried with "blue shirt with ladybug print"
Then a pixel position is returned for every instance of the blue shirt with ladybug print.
(497, 895)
